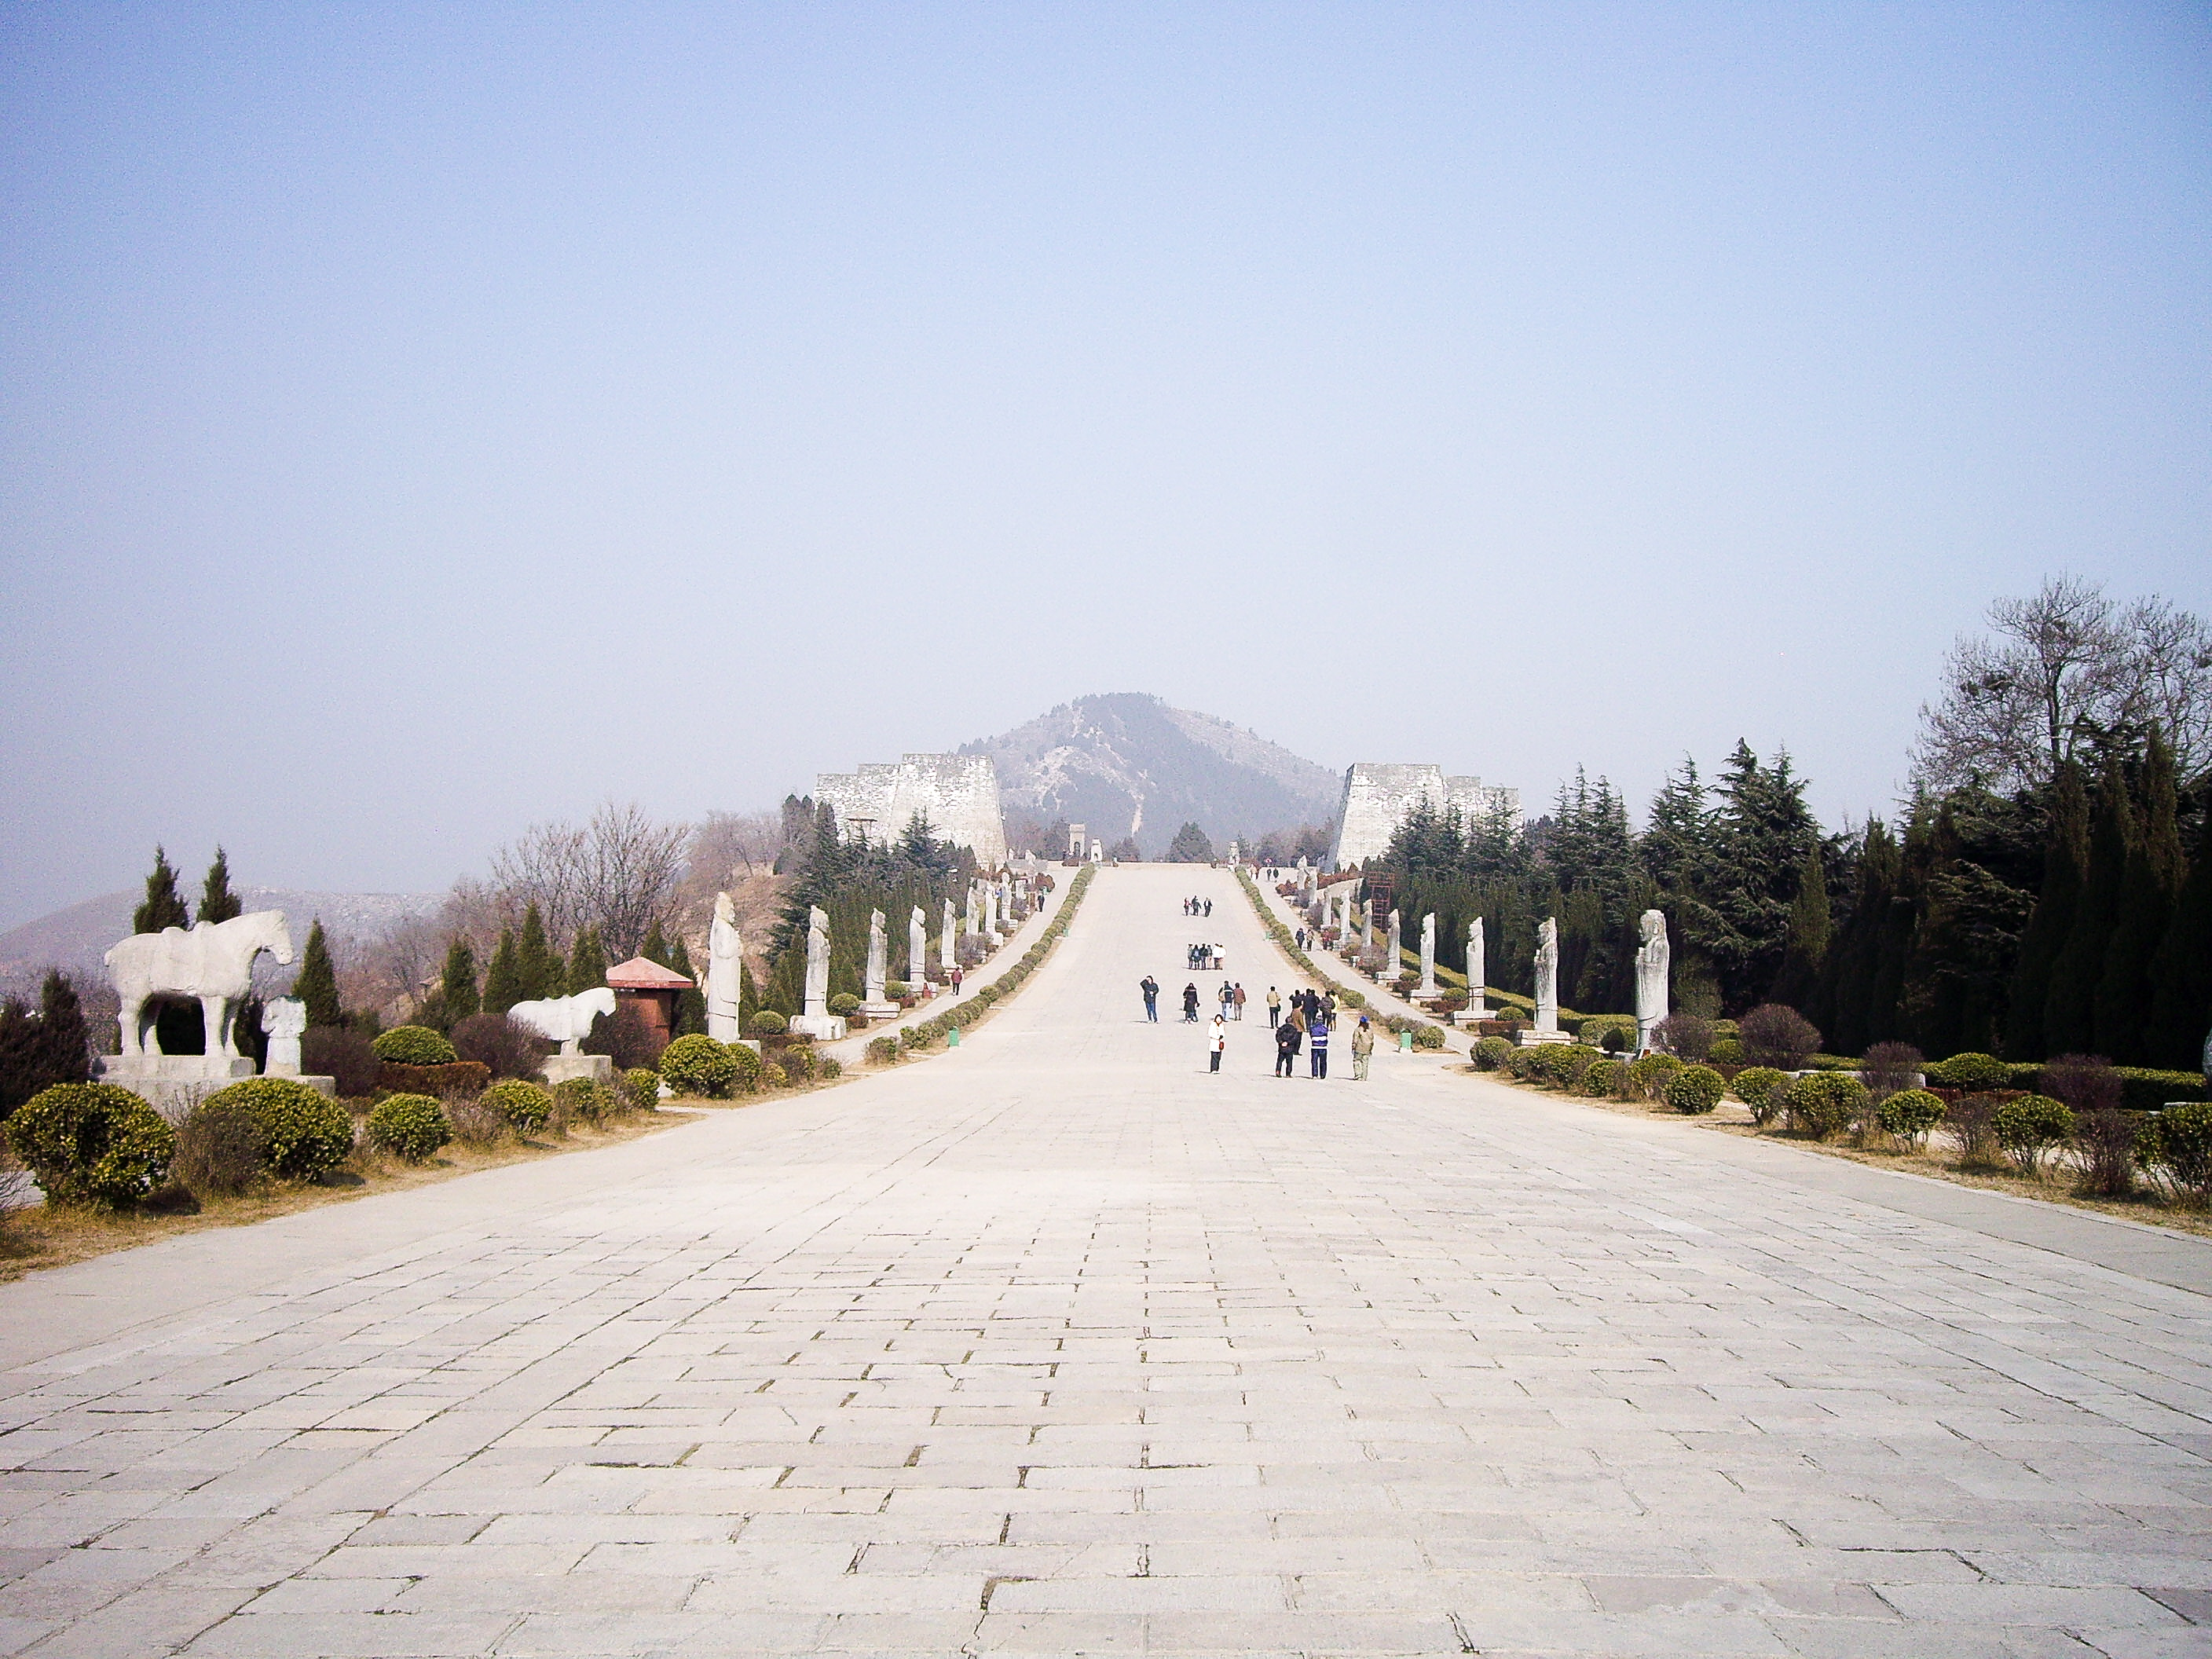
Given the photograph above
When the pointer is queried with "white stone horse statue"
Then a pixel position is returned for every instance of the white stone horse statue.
(212, 961)
(565, 1020)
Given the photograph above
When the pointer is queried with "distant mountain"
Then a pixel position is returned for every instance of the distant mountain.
(76, 938)
(1128, 764)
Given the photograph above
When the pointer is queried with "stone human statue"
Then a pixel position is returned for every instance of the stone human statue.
(726, 972)
(1548, 976)
(1655, 957)
(871, 982)
(1478, 971)
(1394, 953)
(818, 963)
(968, 922)
(945, 956)
(917, 951)
(283, 1021)
(1428, 956)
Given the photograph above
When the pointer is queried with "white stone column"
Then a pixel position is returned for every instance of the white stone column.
(1428, 956)
(945, 959)
(1478, 968)
(917, 951)
(1548, 976)
(1394, 952)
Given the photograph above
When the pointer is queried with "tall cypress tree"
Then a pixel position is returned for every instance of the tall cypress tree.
(587, 962)
(748, 996)
(2155, 866)
(1847, 977)
(655, 948)
(1805, 941)
(2070, 1005)
(691, 1003)
(538, 965)
(2181, 1005)
(458, 997)
(318, 982)
(2065, 863)
(162, 906)
(217, 901)
(502, 986)
(64, 1044)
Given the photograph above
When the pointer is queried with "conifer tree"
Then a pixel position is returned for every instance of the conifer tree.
(162, 906)
(217, 901)
(2069, 1005)
(587, 963)
(64, 1040)
(502, 986)
(458, 997)
(538, 965)
(2149, 888)
(748, 996)
(1805, 941)
(2065, 861)
(655, 948)
(786, 992)
(318, 982)
(691, 1002)
(2181, 972)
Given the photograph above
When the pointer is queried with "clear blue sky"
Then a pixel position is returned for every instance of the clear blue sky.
(419, 421)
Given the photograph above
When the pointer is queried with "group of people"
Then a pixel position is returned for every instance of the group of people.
(1204, 957)
(1195, 906)
(1305, 1024)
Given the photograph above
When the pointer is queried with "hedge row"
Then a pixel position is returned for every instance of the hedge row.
(1287, 942)
(927, 1033)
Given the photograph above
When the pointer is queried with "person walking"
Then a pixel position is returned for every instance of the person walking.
(1286, 1047)
(1216, 1043)
(1190, 1004)
(1239, 1015)
(1274, 1008)
(955, 980)
(1363, 1050)
(1151, 988)
(1318, 1047)
(1209, 907)
(1228, 998)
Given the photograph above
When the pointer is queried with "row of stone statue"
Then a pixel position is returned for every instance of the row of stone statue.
(990, 913)
(1653, 964)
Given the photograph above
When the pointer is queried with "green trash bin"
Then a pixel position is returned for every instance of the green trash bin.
(1405, 1042)
(952, 1036)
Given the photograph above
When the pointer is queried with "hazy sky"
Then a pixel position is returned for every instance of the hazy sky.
(417, 422)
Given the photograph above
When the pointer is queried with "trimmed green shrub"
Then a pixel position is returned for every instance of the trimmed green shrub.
(895, 989)
(579, 1099)
(640, 1087)
(798, 1063)
(1620, 1027)
(844, 1004)
(1909, 1114)
(1727, 1051)
(1824, 1103)
(2176, 1145)
(828, 1068)
(774, 1076)
(412, 1126)
(92, 1143)
(699, 1066)
(883, 1050)
(1759, 1087)
(2030, 1125)
(309, 1136)
(1492, 1053)
(1647, 1078)
(221, 1150)
(1431, 1037)
(767, 1023)
(1695, 1089)
(525, 1106)
(1975, 1073)
(414, 1045)
(2142, 1089)
(1600, 1080)
(748, 1062)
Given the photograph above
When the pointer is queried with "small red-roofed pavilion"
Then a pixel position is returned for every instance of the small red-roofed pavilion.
(651, 989)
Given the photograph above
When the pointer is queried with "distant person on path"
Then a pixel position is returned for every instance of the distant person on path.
(1217, 1041)
(1363, 1050)
(1318, 1046)
(1237, 1003)
(1301, 937)
(1228, 998)
(1151, 988)
(1274, 1008)
(1190, 1004)
(1286, 1047)
(1209, 907)
(956, 976)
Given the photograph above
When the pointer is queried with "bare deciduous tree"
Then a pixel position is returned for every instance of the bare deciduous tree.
(2063, 669)
(616, 873)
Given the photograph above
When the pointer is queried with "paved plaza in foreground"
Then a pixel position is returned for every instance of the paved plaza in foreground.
(1058, 1345)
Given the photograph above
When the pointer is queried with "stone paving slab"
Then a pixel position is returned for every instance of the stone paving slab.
(1058, 1344)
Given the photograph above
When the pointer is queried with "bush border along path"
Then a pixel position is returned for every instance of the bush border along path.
(1350, 996)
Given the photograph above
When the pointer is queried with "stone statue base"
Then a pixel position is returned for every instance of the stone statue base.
(876, 1011)
(131, 1070)
(823, 1028)
(560, 1068)
(1529, 1037)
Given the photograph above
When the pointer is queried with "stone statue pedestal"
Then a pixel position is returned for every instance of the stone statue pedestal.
(886, 1010)
(1529, 1037)
(132, 1070)
(560, 1068)
(823, 1028)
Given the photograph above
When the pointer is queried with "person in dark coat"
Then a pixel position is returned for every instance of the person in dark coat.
(1190, 1004)
(1287, 1038)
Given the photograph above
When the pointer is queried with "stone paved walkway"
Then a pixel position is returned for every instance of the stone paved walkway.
(1057, 1344)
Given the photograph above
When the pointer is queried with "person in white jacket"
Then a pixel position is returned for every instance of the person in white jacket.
(1217, 1042)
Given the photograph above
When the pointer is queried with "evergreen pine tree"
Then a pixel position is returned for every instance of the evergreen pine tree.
(587, 963)
(161, 906)
(318, 982)
(2147, 891)
(217, 901)
(2069, 1005)
(655, 948)
(748, 997)
(2065, 861)
(502, 986)
(538, 965)
(64, 1040)
(20, 1074)
(1805, 942)
(2181, 972)
(786, 982)
(690, 1003)
(458, 997)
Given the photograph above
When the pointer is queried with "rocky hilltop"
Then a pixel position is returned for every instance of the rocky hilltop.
(1128, 764)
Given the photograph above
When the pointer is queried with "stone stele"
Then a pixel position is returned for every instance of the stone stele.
(726, 968)
(1478, 971)
(817, 1022)
(1428, 956)
(917, 951)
